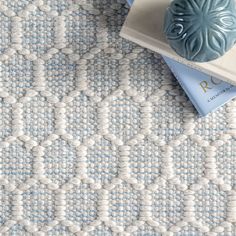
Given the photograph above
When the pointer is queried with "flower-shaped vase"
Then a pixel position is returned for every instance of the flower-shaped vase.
(201, 30)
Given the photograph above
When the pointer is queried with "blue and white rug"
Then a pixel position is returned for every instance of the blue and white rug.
(96, 136)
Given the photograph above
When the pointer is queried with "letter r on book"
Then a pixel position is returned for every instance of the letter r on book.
(204, 85)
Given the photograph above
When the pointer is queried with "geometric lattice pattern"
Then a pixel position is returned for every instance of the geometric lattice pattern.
(96, 136)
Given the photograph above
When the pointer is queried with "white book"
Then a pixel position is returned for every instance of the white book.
(144, 26)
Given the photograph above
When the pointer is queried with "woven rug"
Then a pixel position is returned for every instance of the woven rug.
(96, 136)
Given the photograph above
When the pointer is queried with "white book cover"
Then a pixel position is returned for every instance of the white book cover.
(144, 26)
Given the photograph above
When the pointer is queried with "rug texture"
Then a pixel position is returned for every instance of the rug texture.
(96, 136)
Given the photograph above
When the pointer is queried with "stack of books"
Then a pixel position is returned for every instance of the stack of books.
(208, 85)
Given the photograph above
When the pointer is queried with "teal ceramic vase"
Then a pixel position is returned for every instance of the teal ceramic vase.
(201, 30)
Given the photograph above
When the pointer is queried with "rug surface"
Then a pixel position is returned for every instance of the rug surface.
(96, 136)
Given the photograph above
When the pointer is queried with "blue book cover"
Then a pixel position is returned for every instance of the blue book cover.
(205, 92)
(130, 2)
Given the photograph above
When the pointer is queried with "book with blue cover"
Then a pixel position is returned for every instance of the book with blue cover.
(206, 92)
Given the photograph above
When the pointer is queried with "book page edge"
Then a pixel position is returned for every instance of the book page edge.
(150, 43)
